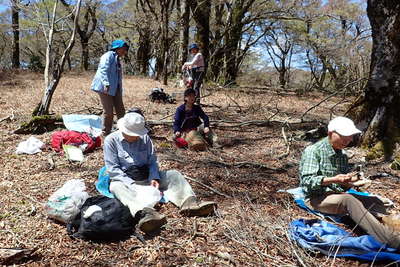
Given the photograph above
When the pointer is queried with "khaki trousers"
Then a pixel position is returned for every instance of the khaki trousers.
(110, 102)
(199, 138)
(195, 140)
(172, 183)
(360, 209)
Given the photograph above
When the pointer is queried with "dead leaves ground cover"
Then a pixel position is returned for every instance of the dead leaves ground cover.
(250, 227)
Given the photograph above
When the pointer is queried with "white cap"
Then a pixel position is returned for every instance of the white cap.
(343, 126)
(132, 124)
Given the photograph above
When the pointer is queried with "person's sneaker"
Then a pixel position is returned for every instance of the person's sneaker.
(151, 220)
(193, 207)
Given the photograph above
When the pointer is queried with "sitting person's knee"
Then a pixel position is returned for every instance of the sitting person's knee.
(348, 199)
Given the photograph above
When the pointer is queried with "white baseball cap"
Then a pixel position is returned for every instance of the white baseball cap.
(343, 126)
(132, 124)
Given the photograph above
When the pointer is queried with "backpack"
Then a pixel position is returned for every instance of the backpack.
(102, 219)
(158, 94)
(66, 137)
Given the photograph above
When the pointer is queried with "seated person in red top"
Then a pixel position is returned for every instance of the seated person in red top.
(187, 122)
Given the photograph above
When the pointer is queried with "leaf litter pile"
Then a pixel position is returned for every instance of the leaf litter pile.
(261, 135)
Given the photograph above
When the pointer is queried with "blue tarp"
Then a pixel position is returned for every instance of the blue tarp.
(82, 123)
(320, 236)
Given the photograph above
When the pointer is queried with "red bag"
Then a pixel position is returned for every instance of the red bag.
(180, 142)
(66, 137)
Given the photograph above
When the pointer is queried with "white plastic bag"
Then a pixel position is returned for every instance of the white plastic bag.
(64, 204)
(31, 146)
(145, 195)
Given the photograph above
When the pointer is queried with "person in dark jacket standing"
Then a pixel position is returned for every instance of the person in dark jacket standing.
(188, 118)
(108, 83)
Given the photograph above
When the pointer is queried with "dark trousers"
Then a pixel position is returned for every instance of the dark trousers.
(198, 81)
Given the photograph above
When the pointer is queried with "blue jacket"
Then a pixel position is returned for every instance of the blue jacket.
(316, 235)
(108, 73)
(181, 117)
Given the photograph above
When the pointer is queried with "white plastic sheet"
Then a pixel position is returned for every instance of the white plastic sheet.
(31, 146)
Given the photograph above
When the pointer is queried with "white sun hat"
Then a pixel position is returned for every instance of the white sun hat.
(343, 126)
(132, 124)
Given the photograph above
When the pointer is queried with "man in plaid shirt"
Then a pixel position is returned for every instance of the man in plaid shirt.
(325, 178)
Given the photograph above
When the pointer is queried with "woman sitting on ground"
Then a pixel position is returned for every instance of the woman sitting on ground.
(188, 118)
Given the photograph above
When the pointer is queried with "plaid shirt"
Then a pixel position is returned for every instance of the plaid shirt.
(318, 161)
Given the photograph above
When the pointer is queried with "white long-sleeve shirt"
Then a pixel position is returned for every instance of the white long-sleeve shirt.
(197, 62)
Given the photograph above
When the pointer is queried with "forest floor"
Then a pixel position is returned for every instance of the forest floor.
(250, 226)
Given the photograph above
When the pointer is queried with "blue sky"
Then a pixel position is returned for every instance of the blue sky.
(3, 7)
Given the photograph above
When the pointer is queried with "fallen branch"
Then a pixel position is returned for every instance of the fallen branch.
(287, 145)
(40, 124)
(169, 115)
(313, 134)
(13, 255)
(195, 234)
(208, 187)
(8, 118)
(236, 103)
(329, 96)
(50, 160)
(299, 259)
(259, 123)
(211, 106)
(246, 90)
(242, 164)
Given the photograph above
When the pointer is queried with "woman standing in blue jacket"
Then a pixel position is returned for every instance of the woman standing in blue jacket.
(108, 83)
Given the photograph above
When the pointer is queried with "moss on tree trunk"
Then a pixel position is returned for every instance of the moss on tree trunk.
(377, 110)
(40, 124)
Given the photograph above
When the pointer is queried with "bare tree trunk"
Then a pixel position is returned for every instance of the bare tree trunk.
(164, 30)
(201, 14)
(377, 109)
(85, 30)
(15, 27)
(282, 77)
(237, 10)
(216, 49)
(44, 105)
(49, 47)
(85, 54)
(231, 46)
(143, 51)
(183, 32)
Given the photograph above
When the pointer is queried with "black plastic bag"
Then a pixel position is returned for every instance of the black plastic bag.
(113, 222)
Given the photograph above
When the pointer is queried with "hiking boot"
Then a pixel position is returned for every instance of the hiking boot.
(193, 207)
(392, 221)
(151, 220)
